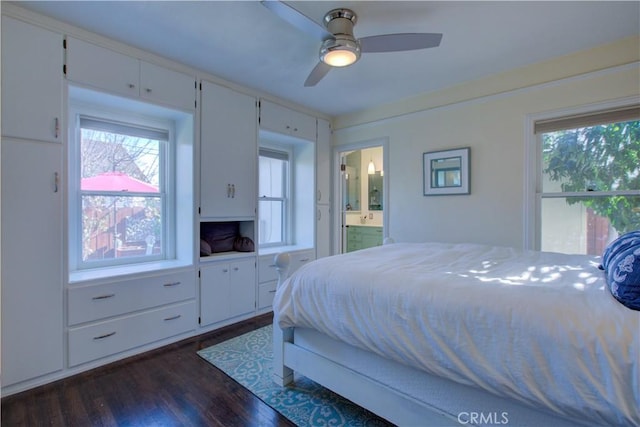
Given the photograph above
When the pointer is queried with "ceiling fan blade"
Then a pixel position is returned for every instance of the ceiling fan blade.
(399, 42)
(297, 19)
(318, 72)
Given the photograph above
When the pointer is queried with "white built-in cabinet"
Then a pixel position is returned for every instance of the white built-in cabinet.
(323, 200)
(32, 308)
(114, 72)
(228, 153)
(227, 290)
(285, 121)
(228, 179)
(52, 326)
(267, 282)
(268, 275)
(107, 318)
(32, 197)
(31, 70)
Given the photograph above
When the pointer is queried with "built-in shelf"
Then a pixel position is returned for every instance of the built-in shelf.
(224, 239)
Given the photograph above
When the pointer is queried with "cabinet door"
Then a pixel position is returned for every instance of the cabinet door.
(102, 68)
(228, 153)
(371, 236)
(32, 328)
(242, 287)
(323, 163)
(323, 231)
(214, 293)
(167, 86)
(279, 119)
(31, 81)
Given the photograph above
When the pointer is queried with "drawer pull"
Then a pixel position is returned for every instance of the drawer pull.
(101, 337)
(304, 260)
(272, 266)
(272, 292)
(177, 316)
(168, 285)
(104, 296)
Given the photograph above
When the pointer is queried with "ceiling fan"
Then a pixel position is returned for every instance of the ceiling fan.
(339, 47)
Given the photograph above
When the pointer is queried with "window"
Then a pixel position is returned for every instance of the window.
(122, 197)
(273, 206)
(588, 183)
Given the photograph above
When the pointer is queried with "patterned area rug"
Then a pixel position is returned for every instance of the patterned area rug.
(248, 359)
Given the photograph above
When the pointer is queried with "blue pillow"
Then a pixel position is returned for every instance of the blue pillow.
(629, 239)
(621, 262)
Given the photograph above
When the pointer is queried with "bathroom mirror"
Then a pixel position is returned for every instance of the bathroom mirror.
(375, 191)
(351, 182)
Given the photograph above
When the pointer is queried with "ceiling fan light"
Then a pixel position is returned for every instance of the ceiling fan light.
(340, 58)
(339, 52)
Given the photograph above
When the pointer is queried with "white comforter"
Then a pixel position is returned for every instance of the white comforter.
(538, 327)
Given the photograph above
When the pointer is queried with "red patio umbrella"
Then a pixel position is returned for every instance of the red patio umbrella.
(116, 181)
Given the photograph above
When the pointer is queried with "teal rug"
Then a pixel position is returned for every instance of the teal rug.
(248, 360)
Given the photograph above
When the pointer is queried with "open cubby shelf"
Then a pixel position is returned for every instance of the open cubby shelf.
(226, 238)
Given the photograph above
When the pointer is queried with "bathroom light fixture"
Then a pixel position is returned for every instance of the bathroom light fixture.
(372, 168)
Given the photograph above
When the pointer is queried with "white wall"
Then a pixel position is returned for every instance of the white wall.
(491, 120)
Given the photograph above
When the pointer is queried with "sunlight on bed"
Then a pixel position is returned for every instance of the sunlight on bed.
(533, 275)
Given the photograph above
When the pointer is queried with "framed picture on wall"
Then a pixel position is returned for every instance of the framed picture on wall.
(446, 172)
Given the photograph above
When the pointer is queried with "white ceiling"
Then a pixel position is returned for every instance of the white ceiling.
(243, 42)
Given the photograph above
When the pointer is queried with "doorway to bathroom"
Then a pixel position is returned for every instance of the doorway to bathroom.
(363, 195)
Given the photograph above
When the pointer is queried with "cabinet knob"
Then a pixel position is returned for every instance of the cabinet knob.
(148, 90)
(131, 85)
(235, 269)
(224, 270)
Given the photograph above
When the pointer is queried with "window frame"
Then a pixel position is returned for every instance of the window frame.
(533, 162)
(286, 199)
(133, 117)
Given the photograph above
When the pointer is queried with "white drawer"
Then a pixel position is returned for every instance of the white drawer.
(266, 292)
(298, 259)
(267, 269)
(87, 343)
(89, 303)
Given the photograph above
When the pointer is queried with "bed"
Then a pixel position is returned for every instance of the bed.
(454, 334)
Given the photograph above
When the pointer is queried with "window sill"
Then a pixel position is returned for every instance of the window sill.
(80, 276)
(278, 249)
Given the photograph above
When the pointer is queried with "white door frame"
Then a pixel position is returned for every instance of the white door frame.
(337, 187)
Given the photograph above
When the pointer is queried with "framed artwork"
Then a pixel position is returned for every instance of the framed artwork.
(446, 172)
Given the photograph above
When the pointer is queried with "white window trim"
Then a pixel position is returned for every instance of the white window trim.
(77, 109)
(532, 162)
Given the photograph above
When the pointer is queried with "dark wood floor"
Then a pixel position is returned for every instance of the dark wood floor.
(171, 386)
